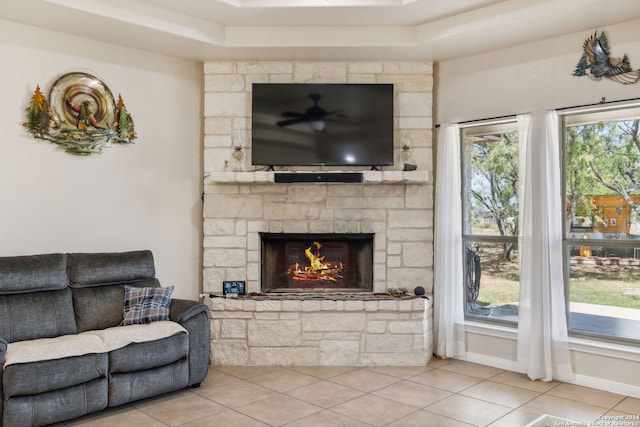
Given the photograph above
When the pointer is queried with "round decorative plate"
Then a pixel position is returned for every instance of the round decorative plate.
(80, 99)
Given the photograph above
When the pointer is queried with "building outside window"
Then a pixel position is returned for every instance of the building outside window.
(602, 222)
(490, 221)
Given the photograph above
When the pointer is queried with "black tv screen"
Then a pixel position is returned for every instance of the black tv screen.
(300, 124)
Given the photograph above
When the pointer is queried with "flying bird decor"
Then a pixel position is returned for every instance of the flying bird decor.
(596, 62)
(80, 115)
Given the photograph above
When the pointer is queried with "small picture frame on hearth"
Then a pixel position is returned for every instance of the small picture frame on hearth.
(233, 287)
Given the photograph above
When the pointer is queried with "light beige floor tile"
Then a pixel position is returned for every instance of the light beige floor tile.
(324, 372)
(501, 394)
(629, 405)
(335, 396)
(284, 380)
(326, 418)
(436, 362)
(191, 407)
(278, 409)
(563, 408)
(245, 372)
(469, 410)
(237, 394)
(446, 380)
(515, 418)
(472, 369)
(586, 395)
(427, 419)
(402, 372)
(325, 394)
(411, 393)
(121, 416)
(227, 418)
(216, 378)
(521, 380)
(374, 410)
(364, 380)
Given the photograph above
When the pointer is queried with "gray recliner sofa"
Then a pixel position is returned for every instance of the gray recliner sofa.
(63, 350)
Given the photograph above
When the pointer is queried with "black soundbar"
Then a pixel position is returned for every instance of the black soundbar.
(291, 177)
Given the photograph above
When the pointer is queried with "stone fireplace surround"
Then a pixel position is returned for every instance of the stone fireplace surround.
(396, 206)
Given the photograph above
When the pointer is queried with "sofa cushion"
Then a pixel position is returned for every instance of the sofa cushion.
(23, 274)
(36, 315)
(59, 405)
(93, 269)
(23, 379)
(99, 341)
(129, 386)
(101, 307)
(146, 305)
(140, 356)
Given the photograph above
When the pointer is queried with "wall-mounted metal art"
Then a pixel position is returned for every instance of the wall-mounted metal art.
(80, 114)
(596, 63)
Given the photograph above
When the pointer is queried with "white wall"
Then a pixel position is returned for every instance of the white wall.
(523, 79)
(530, 77)
(143, 196)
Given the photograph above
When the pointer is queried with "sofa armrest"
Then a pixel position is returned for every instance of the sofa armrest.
(3, 350)
(182, 310)
(194, 317)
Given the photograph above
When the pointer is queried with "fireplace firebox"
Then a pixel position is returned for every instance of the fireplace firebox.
(330, 262)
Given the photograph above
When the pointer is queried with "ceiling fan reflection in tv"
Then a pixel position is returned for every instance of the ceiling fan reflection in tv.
(315, 116)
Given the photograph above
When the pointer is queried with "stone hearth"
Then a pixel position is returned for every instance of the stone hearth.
(326, 331)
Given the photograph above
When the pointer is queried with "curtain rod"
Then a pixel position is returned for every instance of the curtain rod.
(603, 101)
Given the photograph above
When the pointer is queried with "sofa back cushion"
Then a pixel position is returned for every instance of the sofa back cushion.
(32, 273)
(98, 269)
(35, 315)
(97, 282)
(35, 301)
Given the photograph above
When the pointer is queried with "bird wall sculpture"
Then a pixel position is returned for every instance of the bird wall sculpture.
(596, 63)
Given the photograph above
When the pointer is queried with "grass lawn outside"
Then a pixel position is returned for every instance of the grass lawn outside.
(611, 285)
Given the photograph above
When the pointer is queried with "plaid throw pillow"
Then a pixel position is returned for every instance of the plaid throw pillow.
(146, 305)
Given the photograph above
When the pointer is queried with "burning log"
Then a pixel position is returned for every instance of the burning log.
(317, 270)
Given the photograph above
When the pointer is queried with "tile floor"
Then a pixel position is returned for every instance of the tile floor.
(447, 393)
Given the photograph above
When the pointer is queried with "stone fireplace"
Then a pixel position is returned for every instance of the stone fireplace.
(318, 325)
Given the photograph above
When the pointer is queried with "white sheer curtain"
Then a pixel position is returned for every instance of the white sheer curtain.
(543, 351)
(448, 330)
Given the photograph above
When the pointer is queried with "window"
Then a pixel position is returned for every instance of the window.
(602, 227)
(490, 221)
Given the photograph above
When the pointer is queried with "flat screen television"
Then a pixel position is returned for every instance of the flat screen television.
(312, 124)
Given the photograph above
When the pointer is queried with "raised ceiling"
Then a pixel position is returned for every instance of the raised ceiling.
(432, 30)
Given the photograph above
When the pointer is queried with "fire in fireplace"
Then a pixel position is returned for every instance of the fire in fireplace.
(329, 262)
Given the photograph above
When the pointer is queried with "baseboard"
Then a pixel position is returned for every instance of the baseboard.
(579, 379)
(494, 362)
(606, 385)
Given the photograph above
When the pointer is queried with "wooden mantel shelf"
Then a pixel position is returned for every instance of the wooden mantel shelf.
(369, 177)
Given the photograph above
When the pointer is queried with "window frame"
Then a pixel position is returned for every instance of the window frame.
(485, 126)
(610, 113)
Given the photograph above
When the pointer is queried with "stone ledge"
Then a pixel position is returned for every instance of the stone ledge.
(340, 303)
(369, 177)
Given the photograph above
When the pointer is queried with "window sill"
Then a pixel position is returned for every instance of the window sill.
(619, 350)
